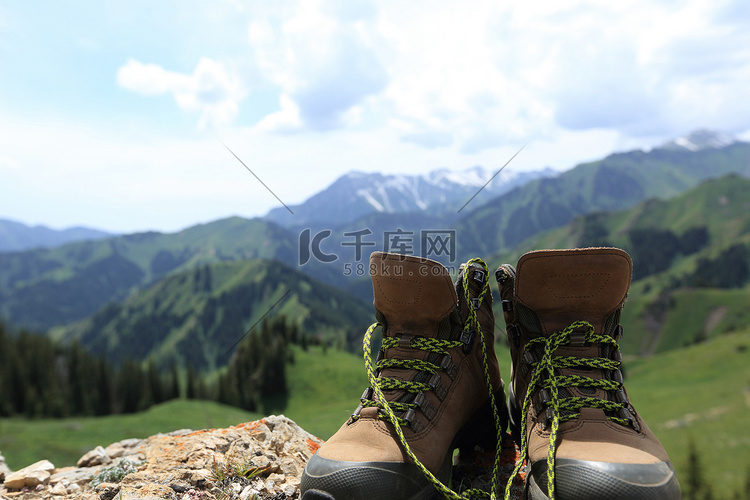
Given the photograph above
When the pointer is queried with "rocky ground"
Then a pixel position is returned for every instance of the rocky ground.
(260, 460)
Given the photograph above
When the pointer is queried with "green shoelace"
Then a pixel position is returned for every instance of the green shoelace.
(440, 346)
(544, 377)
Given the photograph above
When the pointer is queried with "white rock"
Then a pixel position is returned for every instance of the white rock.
(123, 448)
(249, 490)
(97, 456)
(59, 489)
(37, 473)
(37, 478)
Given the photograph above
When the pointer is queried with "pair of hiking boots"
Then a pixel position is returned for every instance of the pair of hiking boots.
(436, 387)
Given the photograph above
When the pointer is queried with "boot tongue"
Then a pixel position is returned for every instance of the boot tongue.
(413, 294)
(563, 286)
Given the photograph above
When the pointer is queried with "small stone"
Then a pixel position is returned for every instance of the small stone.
(17, 480)
(277, 478)
(195, 476)
(97, 456)
(261, 462)
(179, 487)
(269, 486)
(249, 490)
(123, 448)
(287, 467)
(59, 489)
(72, 474)
(294, 481)
(289, 490)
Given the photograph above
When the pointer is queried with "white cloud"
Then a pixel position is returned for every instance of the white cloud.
(478, 77)
(325, 66)
(641, 69)
(212, 89)
(489, 74)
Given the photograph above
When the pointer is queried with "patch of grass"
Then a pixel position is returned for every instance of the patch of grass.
(221, 472)
(64, 441)
(325, 387)
(701, 392)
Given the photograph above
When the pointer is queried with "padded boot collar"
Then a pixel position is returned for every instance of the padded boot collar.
(413, 294)
(563, 286)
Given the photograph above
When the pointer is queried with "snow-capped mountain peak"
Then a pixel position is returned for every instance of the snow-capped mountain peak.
(358, 193)
(699, 140)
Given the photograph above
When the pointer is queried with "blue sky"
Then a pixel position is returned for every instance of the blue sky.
(113, 114)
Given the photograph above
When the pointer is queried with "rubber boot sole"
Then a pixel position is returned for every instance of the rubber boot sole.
(588, 480)
(325, 479)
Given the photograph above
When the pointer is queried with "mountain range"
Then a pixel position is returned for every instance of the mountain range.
(440, 192)
(107, 293)
(616, 182)
(691, 282)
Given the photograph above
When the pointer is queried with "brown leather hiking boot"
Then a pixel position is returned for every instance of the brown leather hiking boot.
(429, 390)
(569, 410)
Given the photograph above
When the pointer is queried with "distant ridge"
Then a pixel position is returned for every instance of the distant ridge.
(16, 236)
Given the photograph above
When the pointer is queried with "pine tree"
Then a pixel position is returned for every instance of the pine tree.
(173, 383)
(76, 382)
(4, 350)
(156, 391)
(696, 486)
(190, 389)
(104, 380)
(130, 384)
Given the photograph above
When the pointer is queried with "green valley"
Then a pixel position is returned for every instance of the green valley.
(197, 316)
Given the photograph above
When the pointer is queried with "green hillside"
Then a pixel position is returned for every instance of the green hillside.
(196, 316)
(691, 258)
(49, 287)
(617, 182)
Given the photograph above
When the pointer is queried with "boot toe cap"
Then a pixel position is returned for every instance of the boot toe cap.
(590, 480)
(326, 479)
